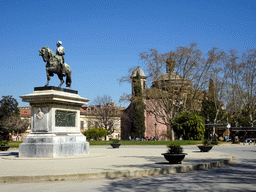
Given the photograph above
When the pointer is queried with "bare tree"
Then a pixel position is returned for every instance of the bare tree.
(179, 89)
(235, 81)
(233, 68)
(104, 113)
(14, 124)
(218, 82)
(248, 80)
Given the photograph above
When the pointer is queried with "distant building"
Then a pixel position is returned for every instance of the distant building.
(25, 113)
(95, 116)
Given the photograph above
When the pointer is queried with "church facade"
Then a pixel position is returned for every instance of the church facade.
(153, 128)
(168, 95)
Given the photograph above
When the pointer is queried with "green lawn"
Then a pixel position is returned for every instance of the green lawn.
(126, 142)
(15, 144)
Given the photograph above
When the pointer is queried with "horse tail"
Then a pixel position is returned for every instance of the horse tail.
(68, 80)
(68, 75)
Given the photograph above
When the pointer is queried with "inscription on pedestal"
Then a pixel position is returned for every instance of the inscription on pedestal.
(65, 118)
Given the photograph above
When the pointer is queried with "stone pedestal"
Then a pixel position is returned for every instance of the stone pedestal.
(55, 124)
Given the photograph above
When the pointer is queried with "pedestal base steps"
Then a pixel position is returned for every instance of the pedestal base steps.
(53, 146)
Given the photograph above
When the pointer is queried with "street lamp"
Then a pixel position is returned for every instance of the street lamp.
(208, 121)
(228, 126)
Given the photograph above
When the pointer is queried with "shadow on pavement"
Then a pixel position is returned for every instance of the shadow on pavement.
(159, 161)
(6, 154)
(236, 177)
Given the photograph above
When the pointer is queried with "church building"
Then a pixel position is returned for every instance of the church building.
(170, 83)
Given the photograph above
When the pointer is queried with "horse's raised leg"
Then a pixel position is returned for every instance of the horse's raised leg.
(61, 80)
(61, 83)
(48, 79)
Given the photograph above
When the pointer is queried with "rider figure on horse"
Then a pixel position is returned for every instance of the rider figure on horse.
(60, 51)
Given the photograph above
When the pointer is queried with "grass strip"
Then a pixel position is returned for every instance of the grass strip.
(15, 144)
(126, 142)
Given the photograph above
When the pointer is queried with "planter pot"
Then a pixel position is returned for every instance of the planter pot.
(115, 145)
(174, 158)
(4, 148)
(204, 148)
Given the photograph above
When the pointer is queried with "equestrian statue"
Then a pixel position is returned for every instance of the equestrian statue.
(55, 64)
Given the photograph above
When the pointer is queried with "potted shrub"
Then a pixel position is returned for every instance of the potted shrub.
(115, 143)
(3, 145)
(174, 154)
(206, 146)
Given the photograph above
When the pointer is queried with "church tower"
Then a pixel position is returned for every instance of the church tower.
(142, 79)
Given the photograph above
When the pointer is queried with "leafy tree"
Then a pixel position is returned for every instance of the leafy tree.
(208, 110)
(244, 118)
(9, 116)
(95, 133)
(189, 125)
(8, 106)
(211, 106)
(138, 107)
(212, 91)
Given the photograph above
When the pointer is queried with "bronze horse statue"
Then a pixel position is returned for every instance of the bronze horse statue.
(53, 66)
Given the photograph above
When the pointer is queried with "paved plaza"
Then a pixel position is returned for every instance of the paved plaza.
(237, 176)
(105, 162)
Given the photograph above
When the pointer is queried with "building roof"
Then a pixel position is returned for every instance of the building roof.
(25, 112)
(171, 76)
(141, 73)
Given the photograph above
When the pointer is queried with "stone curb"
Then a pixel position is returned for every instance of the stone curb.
(119, 174)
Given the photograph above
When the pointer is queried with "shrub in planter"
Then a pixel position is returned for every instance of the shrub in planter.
(3, 145)
(174, 149)
(115, 143)
(206, 146)
(3, 142)
(174, 154)
(206, 142)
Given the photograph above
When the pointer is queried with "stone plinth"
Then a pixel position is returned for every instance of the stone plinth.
(55, 124)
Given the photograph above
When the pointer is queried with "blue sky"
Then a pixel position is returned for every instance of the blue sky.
(103, 38)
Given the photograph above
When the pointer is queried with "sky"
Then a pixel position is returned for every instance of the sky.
(103, 38)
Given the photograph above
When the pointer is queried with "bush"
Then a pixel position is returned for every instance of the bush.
(206, 142)
(189, 126)
(95, 133)
(115, 140)
(3, 142)
(174, 149)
